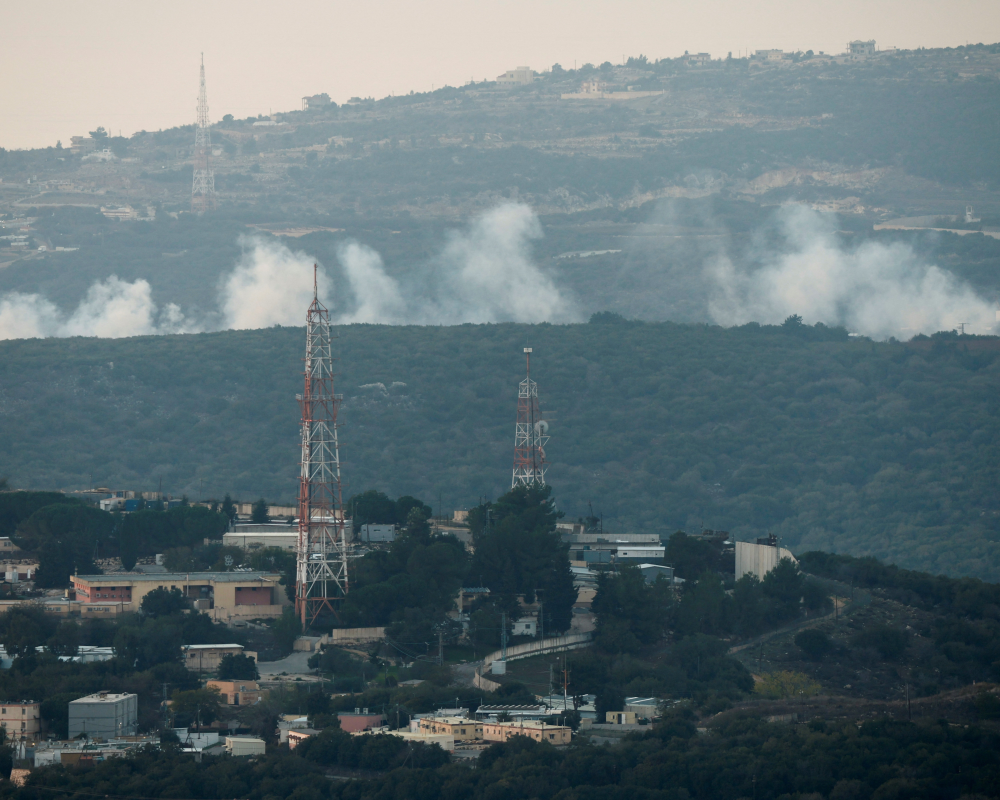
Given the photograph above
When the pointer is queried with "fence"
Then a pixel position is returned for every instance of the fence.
(353, 635)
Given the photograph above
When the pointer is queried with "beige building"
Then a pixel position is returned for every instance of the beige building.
(21, 719)
(459, 728)
(621, 718)
(206, 657)
(224, 596)
(298, 735)
(539, 731)
(236, 693)
(516, 77)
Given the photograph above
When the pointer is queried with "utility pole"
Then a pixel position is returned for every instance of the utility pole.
(440, 647)
(503, 636)
(565, 685)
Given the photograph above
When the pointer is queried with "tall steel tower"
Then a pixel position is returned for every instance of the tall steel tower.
(530, 434)
(321, 574)
(203, 183)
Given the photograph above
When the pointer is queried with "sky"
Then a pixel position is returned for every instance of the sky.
(131, 65)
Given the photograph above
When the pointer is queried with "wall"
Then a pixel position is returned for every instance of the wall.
(556, 644)
(759, 559)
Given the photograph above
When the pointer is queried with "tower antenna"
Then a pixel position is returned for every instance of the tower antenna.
(321, 563)
(203, 182)
(530, 434)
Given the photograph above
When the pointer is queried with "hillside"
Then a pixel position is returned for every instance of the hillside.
(838, 444)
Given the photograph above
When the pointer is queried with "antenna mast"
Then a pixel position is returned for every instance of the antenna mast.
(321, 568)
(203, 183)
(529, 434)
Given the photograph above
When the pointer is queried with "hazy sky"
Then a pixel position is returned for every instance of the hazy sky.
(69, 66)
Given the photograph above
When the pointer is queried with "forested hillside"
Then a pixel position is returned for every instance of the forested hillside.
(833, 443)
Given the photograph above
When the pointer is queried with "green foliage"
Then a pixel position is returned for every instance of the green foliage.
(814, 643)
(888, 641)
(16, 507)
(163, 602)
(786, 684)
(259, 512)
(197, 706)
(237, 667)
(518, 552)
(691, 556)
(23, 628)
(375, 507)
(829, 451)
(335, 748)
(630, 612)
(286, 629)
(66, 537)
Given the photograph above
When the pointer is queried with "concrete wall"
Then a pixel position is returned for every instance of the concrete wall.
(759, 559)
(555, 644)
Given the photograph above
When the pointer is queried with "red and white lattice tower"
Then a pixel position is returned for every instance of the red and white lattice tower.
(321, 569)
(529, 434)
(203, 182)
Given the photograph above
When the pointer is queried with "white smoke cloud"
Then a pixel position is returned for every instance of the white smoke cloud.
(877, 289)
(270, 285)
(483, 274)
(111, 309)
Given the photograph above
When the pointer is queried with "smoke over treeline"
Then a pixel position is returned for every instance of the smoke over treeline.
(486, 273)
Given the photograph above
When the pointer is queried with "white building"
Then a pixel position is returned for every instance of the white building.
(244, 746)
(104, 715)
(516, 77)
(860, 49)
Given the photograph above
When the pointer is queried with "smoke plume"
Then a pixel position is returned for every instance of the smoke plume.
(876, 289)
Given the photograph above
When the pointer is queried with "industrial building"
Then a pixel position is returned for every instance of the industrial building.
(244, 746)
(20, 719)
(377, 533)
(761, 557)
(360, 720)
(104, 715)
(224, 596)
(252, 537)
(207, 657)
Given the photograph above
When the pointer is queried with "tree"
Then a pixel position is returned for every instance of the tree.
(783, 585)
(782, 685)
(286, 629)
(23, 629)
(99, 135)
(630, 613)
(815, 644)
(238, 667)
(228, 508)
(66, 640)
(164, 603)
(198, 705)
(259, 512)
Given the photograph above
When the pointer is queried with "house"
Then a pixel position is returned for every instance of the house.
(521, 76)
(315, 101)
(860, 49)
(244, 746)
(296, 735)
(236, 693)
(525, 626)
(539, 731)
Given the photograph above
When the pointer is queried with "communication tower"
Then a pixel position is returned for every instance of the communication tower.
(321, 569)
(530, 434)
(203, 183)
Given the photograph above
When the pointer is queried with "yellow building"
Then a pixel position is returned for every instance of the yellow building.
(224, 596)
(21, 719)
(236, 693)
(459, 728)
(539, 731)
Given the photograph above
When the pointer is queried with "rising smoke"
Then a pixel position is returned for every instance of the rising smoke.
(876, 289)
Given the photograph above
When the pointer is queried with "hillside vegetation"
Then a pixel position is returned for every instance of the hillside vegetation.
(833, 443)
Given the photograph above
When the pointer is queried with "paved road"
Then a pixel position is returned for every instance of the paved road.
(464, 673)
(295, 664)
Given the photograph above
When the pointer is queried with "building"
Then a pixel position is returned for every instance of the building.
(315, 101)
(527, 712)
(860, 49)
(21, 720)
(254, 537)
(760, 558)
(459, 728)
(643, 707)
(244, 746)
(7, 546)
(525, 626)
(377, 533)
(207, 657)
(122, 214)
(768, 55)
(237, 693)
(639, 553)
(516, 77)
(621, 718)
(360, 720)
(697, 59)
(104, 715)
(224, 596)
(296, 735)
(539, 731)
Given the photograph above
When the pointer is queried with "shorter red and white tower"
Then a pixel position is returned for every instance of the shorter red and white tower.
(530, 434)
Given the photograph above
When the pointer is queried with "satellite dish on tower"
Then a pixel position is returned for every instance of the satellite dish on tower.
(541, 427)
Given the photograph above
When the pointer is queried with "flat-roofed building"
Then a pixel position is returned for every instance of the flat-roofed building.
(236, 693)
(254, 537)
(459, 728)
(20, 719)
(539, 731)
(207, 657)
(360, 720)
(104, 715)
(224, 596)
(520, 76)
